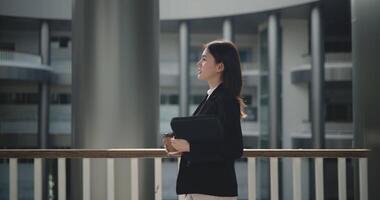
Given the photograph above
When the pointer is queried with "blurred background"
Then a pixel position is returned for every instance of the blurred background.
(63, 63)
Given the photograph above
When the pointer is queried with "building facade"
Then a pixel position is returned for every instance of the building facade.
(277, 50)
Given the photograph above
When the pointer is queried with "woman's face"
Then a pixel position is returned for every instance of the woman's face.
(207, 67)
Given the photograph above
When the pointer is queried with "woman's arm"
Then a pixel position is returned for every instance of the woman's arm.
(231, 147)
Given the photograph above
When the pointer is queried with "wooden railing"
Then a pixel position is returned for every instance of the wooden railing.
(157, 154)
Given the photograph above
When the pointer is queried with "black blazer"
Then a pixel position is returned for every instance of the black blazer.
(209, 167)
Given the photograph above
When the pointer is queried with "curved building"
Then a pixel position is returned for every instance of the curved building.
(295, 54)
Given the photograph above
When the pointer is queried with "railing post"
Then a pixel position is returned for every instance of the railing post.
(251, 178)
(61, 155)
(13, 177)
(134, 179)
(110, 179)
(319, 191)
(363, 178)
(296, 178)
(274, 178)
(37, 178)
(61, 178)
(180, 197)
(158, 178)
(342, 182)
(86, 178)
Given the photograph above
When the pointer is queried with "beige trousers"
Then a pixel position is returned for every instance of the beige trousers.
(207, 197)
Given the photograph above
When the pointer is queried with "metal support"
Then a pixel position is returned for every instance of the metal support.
(86, 166)
(252, 179)
(317, 79)
(274, 192)
(180, 197)
(363, 178)
(43, 122)
(110, 179)
(184, 68)
(134, 178)
(43, 108)
(158, 178)
(274, 81)
(319, 179)
(228, 30)
(342, 179)
(61, 178)
(13, 178)
(38, 178)
(297, 191)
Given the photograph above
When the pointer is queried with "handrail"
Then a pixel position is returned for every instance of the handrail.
(274, 155)
(155, 152)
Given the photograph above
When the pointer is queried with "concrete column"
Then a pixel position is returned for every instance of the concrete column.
(228, 29)
(43, 114)
(184, 40)
(43, 107)
(317, 79)
(115, 89)
(274, 81)
(366, 82)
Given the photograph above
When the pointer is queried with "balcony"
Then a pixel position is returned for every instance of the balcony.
(338, 67)
(252, 155)
(23, 67)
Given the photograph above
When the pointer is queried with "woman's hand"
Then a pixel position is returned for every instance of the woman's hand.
(180, 145)
(168, 144)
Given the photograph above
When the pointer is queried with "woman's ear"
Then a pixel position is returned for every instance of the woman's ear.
(220, 67)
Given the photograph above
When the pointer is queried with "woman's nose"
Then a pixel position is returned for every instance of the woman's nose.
(199, 63)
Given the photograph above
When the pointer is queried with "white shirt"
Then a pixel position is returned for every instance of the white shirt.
(210, 91)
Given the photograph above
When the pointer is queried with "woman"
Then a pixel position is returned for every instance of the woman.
(207, 169)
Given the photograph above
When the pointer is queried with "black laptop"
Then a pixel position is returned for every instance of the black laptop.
(201, 128)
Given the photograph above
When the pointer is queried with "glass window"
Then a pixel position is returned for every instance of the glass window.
(63, 42)
(33, 98)
(173, 99)
(338, 112)
(54, 98)
(5, 98)
(60, 98)
(337, 102)
(251, 113)
(163, 99)
(65, 98)
(19, 98)
(195, 54)
(245, 54)
(247, 99)
(6, 46)
(196, 99)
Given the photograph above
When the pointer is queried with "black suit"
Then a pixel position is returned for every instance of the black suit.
(209, 167)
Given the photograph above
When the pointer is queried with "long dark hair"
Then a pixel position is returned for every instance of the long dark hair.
(226, 52)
